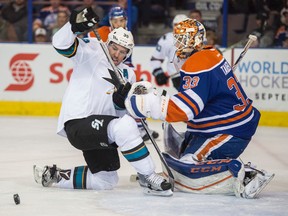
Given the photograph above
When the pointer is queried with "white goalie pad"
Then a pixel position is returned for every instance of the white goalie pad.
(209, 177)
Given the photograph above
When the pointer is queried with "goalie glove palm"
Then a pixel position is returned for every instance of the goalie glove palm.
(83, 20)
(149, 105)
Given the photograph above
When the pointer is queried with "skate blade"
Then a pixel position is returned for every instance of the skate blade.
(38, 172)
(263, 186)
(150, 192)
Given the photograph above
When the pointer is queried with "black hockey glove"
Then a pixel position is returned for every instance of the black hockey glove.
(120, 95)
(83, 20)
(160, 76)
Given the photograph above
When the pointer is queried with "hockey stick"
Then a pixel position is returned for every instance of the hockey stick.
(252, 38)
(118, 79)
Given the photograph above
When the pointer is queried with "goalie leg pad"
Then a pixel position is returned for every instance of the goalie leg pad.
(208, 177)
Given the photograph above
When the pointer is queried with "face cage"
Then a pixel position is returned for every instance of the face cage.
(184, 45)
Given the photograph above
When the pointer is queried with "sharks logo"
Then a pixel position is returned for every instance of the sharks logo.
(96, 124)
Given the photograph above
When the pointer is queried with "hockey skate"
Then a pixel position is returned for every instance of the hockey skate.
(46, 175)
(155, 184)
(255, 181)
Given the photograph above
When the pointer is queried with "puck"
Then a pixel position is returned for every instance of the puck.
(16, 199)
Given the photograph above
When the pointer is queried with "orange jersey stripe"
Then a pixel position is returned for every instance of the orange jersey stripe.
(247, 112)
(174, 113)
(210, 145)
(203, 60)
(103, 32)
(196, 111)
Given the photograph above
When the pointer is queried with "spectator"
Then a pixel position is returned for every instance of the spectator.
(211, 39)
(48, 14)
(282, 32)
(197, 14)
(62, 18)
(96, 8)
(40, 35)
(37, 23)
(153, 11)
(15, 13)
(264, 31)
(7, 31)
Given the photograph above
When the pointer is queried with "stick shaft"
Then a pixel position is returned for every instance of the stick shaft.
(247, 46)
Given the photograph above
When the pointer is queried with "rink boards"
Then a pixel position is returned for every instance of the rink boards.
(34, 78)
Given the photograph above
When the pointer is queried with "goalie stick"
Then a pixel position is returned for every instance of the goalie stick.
(117, 80)
(252, 38)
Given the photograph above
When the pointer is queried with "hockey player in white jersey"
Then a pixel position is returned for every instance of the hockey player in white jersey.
(165, 52)
(89, 115)
(220, 118)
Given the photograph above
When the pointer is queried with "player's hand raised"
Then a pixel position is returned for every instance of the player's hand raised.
(83, 20)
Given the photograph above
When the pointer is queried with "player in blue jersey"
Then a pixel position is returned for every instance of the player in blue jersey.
(219, 115)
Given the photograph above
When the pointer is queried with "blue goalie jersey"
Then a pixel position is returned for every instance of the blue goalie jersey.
(211, 100)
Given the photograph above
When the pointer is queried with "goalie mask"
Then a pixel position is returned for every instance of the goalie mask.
(123, 38)
(189, 35)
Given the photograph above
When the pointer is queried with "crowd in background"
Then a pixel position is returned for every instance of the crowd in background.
(271, 24)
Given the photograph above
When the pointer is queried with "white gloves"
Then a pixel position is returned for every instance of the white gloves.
(143, 101)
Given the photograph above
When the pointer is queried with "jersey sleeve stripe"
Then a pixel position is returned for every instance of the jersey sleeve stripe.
(181, 104)
(71, 51)
(175, 113)
(221, 122)
(187, 100)
(220, 127)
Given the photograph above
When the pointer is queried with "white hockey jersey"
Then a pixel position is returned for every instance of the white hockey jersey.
(87, 92)
(165, 50)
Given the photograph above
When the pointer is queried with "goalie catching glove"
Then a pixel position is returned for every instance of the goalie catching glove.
(83, 20)
(147, 103)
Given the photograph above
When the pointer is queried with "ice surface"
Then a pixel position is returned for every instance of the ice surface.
(26, 141)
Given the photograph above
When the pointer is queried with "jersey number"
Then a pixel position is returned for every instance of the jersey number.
(190, 82)
(231, 82)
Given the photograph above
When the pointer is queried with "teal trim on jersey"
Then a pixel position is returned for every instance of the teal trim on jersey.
(79, 177)
(138, 153)
(125, 73)
(71, 51)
